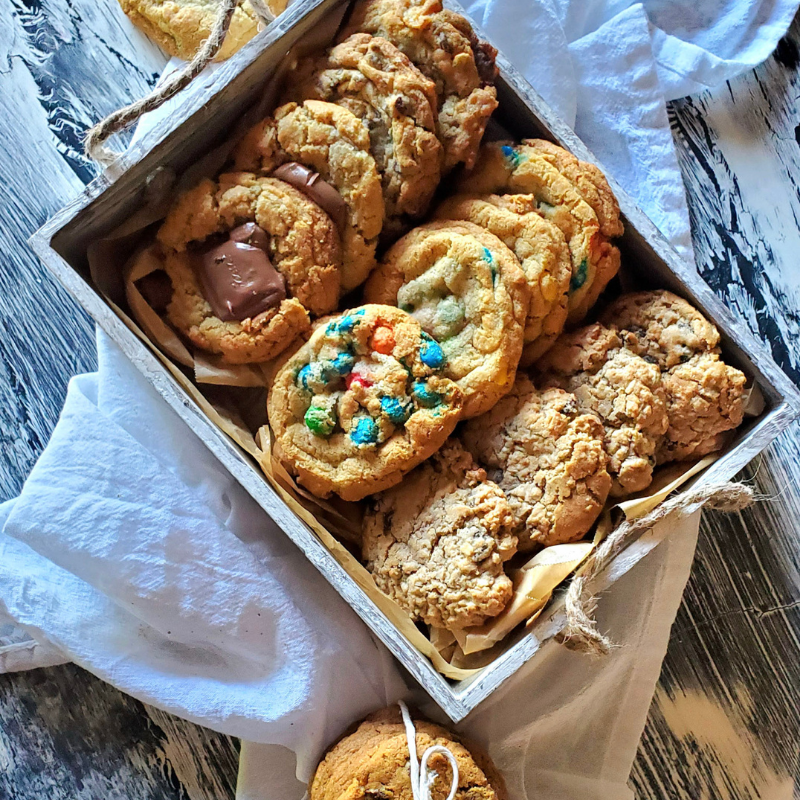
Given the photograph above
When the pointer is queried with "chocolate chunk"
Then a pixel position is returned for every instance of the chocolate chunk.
(156, 288)
(252, 234)
(238, 279)
(318, 190)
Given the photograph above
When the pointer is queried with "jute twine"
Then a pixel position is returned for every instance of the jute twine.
(581, 631)
(96, 137)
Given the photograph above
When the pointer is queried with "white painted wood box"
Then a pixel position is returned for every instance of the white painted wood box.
(208, 113)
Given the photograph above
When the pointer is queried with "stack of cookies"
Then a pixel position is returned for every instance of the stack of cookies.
(422, 358)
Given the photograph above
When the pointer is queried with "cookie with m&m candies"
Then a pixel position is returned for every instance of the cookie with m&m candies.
(362, 402)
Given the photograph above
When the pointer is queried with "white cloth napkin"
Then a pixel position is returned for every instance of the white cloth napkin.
(133, 553)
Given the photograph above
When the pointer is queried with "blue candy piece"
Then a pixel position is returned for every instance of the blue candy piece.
(424, 396)
(512, 156)
(346, 323)
(343, 363)
(396, 412)
(365, 431)
(487, 254)
(431, 353)
(303, 375)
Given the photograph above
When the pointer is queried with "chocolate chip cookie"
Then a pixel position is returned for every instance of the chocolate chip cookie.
(334, 143)
(362, 402)
(548, 456)
(468, 291)
(541, 250)
(436, 543)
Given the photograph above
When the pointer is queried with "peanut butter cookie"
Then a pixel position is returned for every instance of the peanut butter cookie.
(467, 290)
(249, 259)
(444, 53)
(437, 542)
(369, 76)
(541, 250)
(362, 403)
(521, 169)
(623, 389)
(372, 762)
(705, 396)
(548, 456)
(334, 143)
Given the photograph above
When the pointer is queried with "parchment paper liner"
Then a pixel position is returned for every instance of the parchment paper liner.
(457, 656)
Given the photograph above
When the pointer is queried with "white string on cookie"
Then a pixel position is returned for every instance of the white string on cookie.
(422, 776)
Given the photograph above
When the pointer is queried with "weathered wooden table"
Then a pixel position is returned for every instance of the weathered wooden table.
(725, 721)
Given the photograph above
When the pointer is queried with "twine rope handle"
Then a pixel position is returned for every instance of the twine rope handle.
(422, 776)
(96, 137)
(580, 632)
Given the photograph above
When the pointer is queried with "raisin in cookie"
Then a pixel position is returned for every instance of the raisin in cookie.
(442, 52)
(507, 168)
(541, 250)
(334, 143)
(249, 259)
(623, 389)
(468, 291)
(437, 542)
(362, 403)
(369, 76)
(705, 396)
(548, 456)
(372, 762)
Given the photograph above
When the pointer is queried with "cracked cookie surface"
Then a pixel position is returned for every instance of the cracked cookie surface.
(468, 291)
(372, 763)
(303, 245)
(507, 168)
(541, 250)
(362, 403)
(624, 390)
(436, 543)
(548, 456)
(332, 141)
(369, 76)
(443, 51)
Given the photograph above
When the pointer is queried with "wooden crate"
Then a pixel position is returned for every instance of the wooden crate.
(207, 115)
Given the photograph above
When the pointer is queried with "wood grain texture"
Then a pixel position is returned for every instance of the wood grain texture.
(724, 723)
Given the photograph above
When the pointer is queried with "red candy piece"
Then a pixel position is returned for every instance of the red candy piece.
(359, 380)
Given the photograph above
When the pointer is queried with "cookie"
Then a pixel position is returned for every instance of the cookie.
(468, 291)
(541, 250)
(248, 295)
(661, 327)
(503, 167)
(444, 53)
(181, 26)
(369, 76)
(588, 180)
(548, 456)
(705, 396)
(362, 403)
(372, 763)
(623, 389)
(436, 543)
(334, 143)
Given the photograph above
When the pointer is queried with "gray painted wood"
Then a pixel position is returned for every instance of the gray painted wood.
(724, 723)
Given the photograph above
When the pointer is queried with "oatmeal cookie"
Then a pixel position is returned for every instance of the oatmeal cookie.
(369, 76)
(542, 252)
(623, 389)
(362, 403)
(548, 456)
(705, 396)
(437, 542)
(334, 143)
(181, 26)
(372, 762)
(507, 168)
(467, 290)
(249, 259)
(445, 54)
